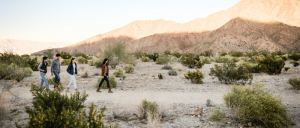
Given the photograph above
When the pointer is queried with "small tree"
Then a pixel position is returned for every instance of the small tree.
(271, 65)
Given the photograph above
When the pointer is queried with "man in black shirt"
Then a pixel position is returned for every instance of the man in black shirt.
(43, 70)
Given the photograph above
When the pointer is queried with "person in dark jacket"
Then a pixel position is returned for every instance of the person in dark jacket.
(72, 70)
(105, 75)
(43, 70)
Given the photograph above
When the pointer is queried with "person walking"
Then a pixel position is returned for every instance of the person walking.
(72, 70)
(43, 70)
(55, 69)
(105, 75)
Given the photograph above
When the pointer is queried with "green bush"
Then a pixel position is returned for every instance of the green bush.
(295, 83)
(98, 63)
(65, 62)
(21, 61)
(160, 76)
(237, 54)
(52, 82)
(252, 68)
(199, 64)
(271, 66)
(205, 60)
(164, 59)
(176, 54)
(196, 77)
(296, 64)
(129, 68)
(284, 58)
(91, 63)
(226, 59)
(14, 72)
(82, 60)
(292, 61)
(112, 82)
(148, 108)
(118, 72)
(49, 53)
(85, 75)
(286, 68)
(138, 54)
(216, 115)
(231, 73)
(131, 60)
(294, 56)
(81, 54)
(256, 106)
(191, 60)
(223, 53)
(65, 55)
(145, 59)
(153, 56)
(51, 109)
(172, 73)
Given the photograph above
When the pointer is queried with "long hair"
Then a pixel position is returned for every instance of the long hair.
(104, 61)
(71, 63)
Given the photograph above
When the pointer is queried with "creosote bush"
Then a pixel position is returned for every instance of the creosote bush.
(296, 64)
(195, 76)
(246, 103)
(164, 59)
(85, 74)
(129, 68)
(286, 68)
(65, 62)
(271, 65)
(65, 55)
(82, 60)
(112, 82)
(216, 115)
(131, 60)
(148, 108)
(153, 56)
(205, 60)
(231, 73)
(160, 76)
(91, 63)
(51, 109)
(294, 56)
(226, 59)
(145, 59)
(14, 72)
(118, 72)
(295, 82)
(191, 60)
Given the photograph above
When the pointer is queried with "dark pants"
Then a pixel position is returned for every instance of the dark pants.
(107, 81)
(57, 78)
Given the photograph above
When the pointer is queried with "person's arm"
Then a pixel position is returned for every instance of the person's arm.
(52, 65)
(68, 69)
(75, 68)
(39, 67)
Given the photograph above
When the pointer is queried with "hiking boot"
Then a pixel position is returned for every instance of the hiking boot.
(109, 91)
(67, 90)
(98, 90)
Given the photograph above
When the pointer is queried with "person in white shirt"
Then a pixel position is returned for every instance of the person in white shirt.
(72, 70)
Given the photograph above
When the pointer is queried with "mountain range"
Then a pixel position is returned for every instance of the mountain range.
(250, 24)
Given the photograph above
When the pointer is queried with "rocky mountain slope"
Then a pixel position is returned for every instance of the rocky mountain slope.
(27, 47)
(258, 19)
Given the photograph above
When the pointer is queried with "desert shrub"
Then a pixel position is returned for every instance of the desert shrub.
(85, 75)
(294, 56)
(231, 73)
(113, 62)
(252, 68)
(246, 103)
(118, 72)
(49, 53)
(264, 53)
(188, 61)
(123, 77)
(98, 63)
(195, 76)
(91, 63)
(296, 64)
(138, 54)
(14, 72)
(226, 59)
(167, 67)
(237, 54)
(81, 54)
(164, 59)
(172, 73)
(270, 65)
(286, 68)
(65, 62)
(205, 60)
(284, 58)
(21, 61)
(52, 109)
(65, 55)
(129, 68)
(295, 83)
(82, 60)
(167, 52)
(89, 57)
(147, 108)
(176, 54)
(51, 81)
(153, 56)
(199, 64)
(116, 51)
(145, 59)
(112, 82)
(223, 53)
(292, 61)
(160, 76)
(216, 115)
(131, 60)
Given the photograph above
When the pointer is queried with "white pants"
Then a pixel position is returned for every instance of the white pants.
(73, 79)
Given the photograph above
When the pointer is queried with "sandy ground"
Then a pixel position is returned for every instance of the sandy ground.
(177, 95)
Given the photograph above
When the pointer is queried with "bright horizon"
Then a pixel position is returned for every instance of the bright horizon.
(74, 21)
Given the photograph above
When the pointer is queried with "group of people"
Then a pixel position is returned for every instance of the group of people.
(72, 70)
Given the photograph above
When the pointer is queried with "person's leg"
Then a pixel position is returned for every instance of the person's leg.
(107, 81)
(56, 78)
(74, 81)
(101, 82)
(70, 82)
(47, 84)
(42, 80)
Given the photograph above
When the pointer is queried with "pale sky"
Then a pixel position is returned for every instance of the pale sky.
(77, 20)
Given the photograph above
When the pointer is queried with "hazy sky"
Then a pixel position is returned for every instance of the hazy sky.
(76, 20)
